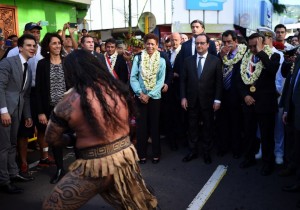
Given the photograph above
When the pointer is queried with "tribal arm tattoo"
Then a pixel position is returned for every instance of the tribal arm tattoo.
(59, 120)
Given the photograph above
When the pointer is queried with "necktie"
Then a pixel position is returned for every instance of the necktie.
(227, 77)
(199, 68)
(24, 73)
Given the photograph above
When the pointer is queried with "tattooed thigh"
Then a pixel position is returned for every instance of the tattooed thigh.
(73, 191)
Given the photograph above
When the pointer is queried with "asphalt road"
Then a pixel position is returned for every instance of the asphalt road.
(176, 184)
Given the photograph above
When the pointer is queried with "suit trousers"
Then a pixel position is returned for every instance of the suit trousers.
(197, 116)
(147, 122)
(8, 143)
(229, 123)
(266, 123)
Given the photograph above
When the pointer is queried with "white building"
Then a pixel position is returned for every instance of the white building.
(111, 16)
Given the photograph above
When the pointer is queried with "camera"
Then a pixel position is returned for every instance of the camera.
(73, 25)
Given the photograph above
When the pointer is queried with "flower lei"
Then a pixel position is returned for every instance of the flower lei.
(113, 59)
(238, 56)
(148, 71)
(250, 77)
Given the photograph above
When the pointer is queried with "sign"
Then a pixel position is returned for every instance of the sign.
(266, 14)
(211, 5)
(147, 22)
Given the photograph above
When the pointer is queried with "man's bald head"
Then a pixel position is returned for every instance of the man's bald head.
(176, 40)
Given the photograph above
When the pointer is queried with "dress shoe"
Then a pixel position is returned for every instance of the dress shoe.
(266, 170)
(143, 161)
(155, 160)
(58, 175)
(287, 172)
(207, 158)
(247, 163)
(21, 177)
(11, 188)
(291, 188)
(190, 157)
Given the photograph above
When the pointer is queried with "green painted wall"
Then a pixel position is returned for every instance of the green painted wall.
(56, 13)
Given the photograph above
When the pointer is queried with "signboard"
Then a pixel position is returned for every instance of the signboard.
(211, 5)
(266, 14)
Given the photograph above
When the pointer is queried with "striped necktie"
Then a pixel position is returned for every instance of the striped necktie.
(227, 77)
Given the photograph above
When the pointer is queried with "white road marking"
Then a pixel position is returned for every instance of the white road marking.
(208, 188)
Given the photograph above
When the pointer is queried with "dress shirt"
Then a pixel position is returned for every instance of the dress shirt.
(174, 53)
(279, 81)
(193, 45)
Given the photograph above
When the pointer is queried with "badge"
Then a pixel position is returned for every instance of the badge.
(252, 89)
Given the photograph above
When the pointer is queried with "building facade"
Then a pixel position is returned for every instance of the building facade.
(14, 14)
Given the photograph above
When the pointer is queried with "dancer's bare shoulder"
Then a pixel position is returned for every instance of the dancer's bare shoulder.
(65, 107)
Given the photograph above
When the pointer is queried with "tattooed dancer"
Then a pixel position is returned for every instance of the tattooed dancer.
(97, 109)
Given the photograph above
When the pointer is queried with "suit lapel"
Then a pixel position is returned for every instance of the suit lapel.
(19, 71)
(194, 66)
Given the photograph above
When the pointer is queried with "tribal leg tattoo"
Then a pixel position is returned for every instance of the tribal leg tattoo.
(73, 191)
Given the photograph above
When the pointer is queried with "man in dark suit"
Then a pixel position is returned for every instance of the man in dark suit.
(188, 48)
(291, 117)
(115, 63)
(201, 86)
(87, 43)
(15, 83)
(257, 88)
(229, 117)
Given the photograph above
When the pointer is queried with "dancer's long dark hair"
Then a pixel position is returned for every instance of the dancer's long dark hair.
(84, 71)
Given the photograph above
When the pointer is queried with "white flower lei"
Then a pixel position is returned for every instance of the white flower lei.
(113, 59)
(248, 77)
(238, 56)
(148, 71)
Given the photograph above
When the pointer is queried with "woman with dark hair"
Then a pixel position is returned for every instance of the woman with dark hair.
(147, 79)
(50, 88)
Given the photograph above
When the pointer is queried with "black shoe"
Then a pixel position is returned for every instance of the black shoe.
(291, 188)
(207, 158)
(21, 178)
(190, 157)
(58, 175)
(155, 160)
(11, 189)
(247, 163)
(143, 161)
(287, 172)
(266, 170)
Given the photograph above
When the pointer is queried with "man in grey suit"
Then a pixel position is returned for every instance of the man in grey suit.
(15, 83)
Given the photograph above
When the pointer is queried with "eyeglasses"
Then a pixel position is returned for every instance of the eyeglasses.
(200, 43)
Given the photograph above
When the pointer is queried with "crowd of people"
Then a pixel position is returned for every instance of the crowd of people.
(108, 103)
